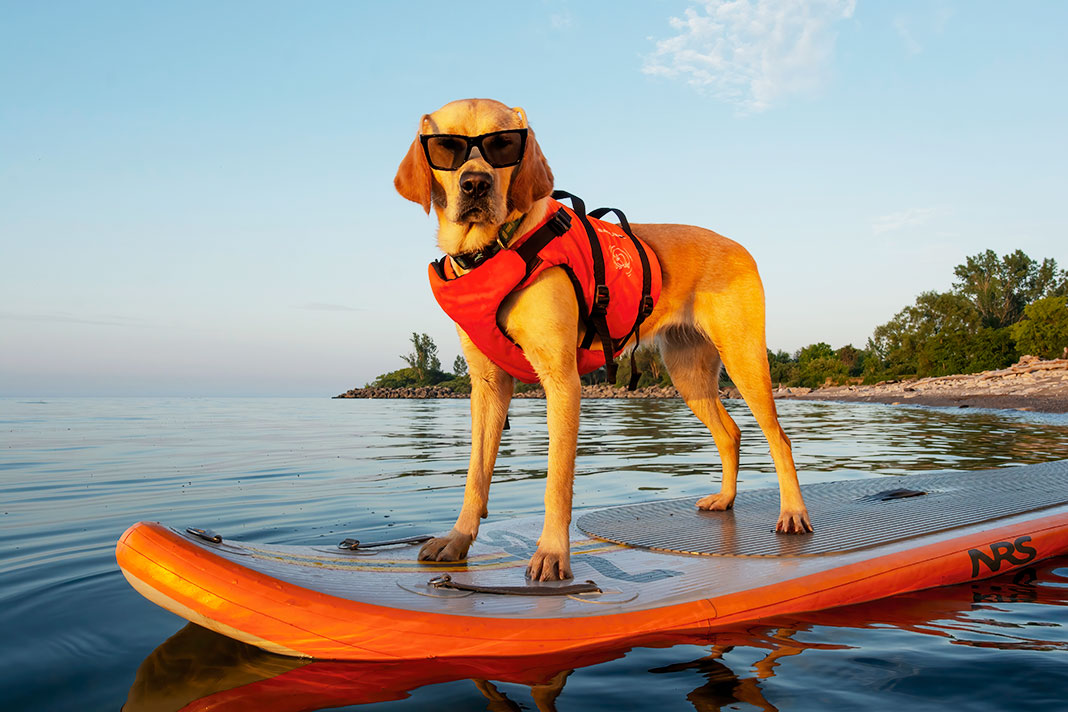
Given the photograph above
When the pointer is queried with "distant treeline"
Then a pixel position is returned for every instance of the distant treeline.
(998, 309)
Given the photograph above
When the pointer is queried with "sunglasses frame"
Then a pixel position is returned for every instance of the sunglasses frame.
(473, 141)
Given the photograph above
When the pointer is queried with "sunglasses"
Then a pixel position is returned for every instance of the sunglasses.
(447, 152)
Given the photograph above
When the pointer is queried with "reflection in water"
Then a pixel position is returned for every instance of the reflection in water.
(200, 670)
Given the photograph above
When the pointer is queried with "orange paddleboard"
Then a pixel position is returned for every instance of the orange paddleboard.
(656, 570)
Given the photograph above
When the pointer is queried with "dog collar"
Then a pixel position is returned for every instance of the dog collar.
(470, 260)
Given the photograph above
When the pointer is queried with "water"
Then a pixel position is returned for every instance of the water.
(74, 474)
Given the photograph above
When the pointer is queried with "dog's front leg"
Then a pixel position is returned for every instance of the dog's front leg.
(563, 394)
(543, 320)
(491, 391)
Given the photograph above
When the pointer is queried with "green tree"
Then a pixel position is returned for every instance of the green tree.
(817, 364)
(652, 369)
(928, 337)
(1000, 288)
(1043, 331)
(459, 366)
(783, 368)
(424, 358)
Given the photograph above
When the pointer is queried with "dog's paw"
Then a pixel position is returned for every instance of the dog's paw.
(793, 522)
(451, 547)
(716, 502)
(549, 566)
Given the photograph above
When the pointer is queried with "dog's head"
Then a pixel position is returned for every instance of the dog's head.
(474, 198)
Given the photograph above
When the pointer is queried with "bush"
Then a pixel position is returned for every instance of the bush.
(459, 384)
(652, 369)
(1043, 331)
(409, 378)
(400, 378)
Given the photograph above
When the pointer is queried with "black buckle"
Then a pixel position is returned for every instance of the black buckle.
(470, 260)
(600, 298)
(647, 305)
(560, 222)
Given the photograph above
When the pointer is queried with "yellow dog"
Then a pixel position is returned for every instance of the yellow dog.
(710, 312)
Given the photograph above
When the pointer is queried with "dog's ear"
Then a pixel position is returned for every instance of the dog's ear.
(413, 176)
(533, 180)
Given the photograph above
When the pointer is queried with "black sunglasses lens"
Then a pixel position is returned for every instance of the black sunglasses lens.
(503, 149)
(446, 153)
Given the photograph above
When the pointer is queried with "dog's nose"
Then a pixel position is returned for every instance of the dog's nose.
(475, 183)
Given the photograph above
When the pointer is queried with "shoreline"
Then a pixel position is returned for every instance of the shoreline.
(1029, 385)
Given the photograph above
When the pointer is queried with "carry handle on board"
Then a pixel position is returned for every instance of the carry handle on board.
(354, 544)
(445, 581)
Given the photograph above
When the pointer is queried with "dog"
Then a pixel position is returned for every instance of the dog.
(710, 314)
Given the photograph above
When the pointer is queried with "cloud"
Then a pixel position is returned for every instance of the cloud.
(751, 53)
(561, 20)
(320, 306)
(913, 217)
(926, 22)
(912, 45)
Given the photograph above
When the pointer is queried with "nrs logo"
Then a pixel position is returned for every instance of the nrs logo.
(1016, 553)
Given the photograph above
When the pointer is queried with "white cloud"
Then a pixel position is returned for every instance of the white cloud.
(912, 45)
(913, 217)
(924, 23)
(751, 53)
(561, 20)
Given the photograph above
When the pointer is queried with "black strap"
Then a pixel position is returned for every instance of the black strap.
(601, 295)
(556, 226)
(445, 581)
(645, 307)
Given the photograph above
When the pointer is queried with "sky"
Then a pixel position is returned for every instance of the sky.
(197, 198)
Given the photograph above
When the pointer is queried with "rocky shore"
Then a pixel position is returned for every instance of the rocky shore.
(1031, 384)
(598, 391)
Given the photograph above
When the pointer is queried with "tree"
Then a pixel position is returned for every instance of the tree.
(818, 364)
(928, 338)
(424, 358)
(650, 366)
(782, 368)
(459, 366)
(1001, 288)
(1043, 331)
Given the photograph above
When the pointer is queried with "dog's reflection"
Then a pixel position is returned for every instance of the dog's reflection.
(197, 669)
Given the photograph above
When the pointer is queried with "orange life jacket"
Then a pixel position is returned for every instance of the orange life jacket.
(616, 277)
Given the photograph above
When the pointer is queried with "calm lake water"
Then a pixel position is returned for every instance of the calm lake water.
(74, 474)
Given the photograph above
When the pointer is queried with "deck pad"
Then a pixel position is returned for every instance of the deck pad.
(846, 516)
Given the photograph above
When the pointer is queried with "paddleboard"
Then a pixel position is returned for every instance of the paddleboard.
(644, 574)
(197, 670)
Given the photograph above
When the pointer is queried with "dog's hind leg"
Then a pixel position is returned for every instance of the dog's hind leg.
(741, 346)
(693, 363)
(491, 391)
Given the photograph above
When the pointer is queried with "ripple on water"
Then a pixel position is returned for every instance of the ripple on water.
(75, 473)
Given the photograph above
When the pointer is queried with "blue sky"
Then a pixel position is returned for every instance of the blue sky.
(196, 198)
